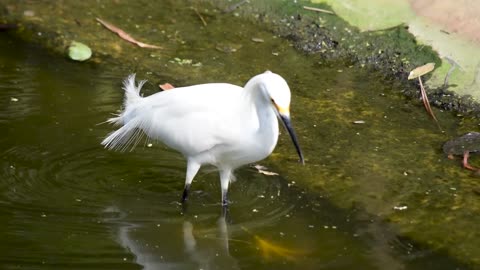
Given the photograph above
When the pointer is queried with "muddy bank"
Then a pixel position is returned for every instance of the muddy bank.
(327, 37)
(393, 51)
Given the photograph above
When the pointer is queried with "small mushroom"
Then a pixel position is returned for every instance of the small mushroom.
(418, 73)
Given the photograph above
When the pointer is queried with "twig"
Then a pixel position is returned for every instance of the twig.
(476, 79)
(318, 10)
(122, 34)
(200, 16)
(454, 65)
(450, 70)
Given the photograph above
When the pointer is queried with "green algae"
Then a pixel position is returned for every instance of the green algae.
(379, 41)
(384, 14)
(374, 16)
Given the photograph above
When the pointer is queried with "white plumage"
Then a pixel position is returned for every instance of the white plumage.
(217, 123)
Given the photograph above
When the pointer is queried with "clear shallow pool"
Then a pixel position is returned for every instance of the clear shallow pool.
(66, 203)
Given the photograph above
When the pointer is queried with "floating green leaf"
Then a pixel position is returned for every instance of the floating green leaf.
(79, 51)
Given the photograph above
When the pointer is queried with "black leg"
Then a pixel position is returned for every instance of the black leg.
(225, 213)
(185, 193)
(224, 198)
(184, 208)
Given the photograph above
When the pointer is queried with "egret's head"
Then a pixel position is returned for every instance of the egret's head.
(277, 91)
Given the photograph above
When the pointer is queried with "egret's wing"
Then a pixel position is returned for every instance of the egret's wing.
(192, 119)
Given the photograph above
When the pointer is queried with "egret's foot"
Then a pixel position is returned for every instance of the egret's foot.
(185, 194)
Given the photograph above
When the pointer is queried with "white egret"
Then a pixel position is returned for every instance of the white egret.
(216, 123)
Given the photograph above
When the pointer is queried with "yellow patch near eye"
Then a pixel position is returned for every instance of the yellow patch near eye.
(283, 110)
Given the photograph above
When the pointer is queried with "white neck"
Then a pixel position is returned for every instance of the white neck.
(262, 113)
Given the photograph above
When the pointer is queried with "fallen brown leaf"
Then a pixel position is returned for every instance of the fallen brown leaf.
(122, 34)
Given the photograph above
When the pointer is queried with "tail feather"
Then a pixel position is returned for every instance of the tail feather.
(130, 133)
(132, 92)
(123, 137)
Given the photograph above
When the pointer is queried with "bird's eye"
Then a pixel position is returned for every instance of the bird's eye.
(273, 101)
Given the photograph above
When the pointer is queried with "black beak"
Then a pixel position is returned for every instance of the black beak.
(288, 125)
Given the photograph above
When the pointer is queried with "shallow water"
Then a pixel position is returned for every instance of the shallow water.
(67, 203)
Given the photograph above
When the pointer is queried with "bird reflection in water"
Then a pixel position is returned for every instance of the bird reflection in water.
(199, 254)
